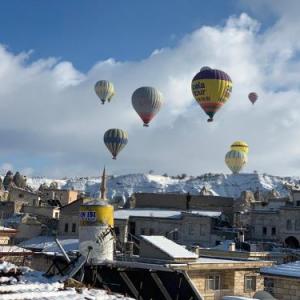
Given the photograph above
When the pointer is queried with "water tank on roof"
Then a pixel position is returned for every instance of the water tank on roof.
(96, 240)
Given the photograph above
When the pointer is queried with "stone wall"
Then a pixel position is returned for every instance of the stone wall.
(286, 289)
(232, 282)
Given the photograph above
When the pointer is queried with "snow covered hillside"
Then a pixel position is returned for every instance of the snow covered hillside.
(220, 184)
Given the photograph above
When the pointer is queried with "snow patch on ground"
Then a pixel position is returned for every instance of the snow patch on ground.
(33, 285)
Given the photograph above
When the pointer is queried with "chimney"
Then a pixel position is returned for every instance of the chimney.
(231, 247)
(241, 236)
(188, 200)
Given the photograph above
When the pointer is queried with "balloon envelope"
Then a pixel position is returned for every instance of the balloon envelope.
(115, 140)
(240, 146)
(253, 97)
(235, 160)
(104, 90)
(211, 88)
(147, 102)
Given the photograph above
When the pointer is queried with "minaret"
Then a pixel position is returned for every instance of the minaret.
(103, 186)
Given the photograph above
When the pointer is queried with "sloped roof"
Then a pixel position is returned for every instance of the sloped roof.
(287, 270)
(169, 247)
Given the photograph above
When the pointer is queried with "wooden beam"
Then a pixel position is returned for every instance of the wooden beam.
(131, 286)
(160, 285)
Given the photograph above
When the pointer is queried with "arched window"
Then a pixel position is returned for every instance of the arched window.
(288, 225)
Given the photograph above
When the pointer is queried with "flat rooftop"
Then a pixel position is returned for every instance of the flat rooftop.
(124, 214)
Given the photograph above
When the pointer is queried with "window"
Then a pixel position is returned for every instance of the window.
(297, 203)
(269, 285)
(213, 282)
(21, 196)
(297, 225)
(264, 230)
(74, 227)
(56, 215)
(289, 225)
(250, 283)
(117, 230)
(151, 231)
(273, 230)
(143, 231)
(66, 227)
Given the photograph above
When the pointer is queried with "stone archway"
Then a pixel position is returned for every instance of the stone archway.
(292, 242)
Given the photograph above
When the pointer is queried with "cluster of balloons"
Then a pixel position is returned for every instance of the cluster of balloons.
(210, 87)
(237, 157)
(146, 101)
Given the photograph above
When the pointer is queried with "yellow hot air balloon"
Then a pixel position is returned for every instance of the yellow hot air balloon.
(235, 160)
(104, 90)
(240, 146)
(211, 88)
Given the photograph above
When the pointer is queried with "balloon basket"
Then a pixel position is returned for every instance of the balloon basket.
(210, 120)
(114, 158)
(146, 125)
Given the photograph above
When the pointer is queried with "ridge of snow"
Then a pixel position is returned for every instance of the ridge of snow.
(121, 187)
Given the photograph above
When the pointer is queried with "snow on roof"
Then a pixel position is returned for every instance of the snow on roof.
(12, 249)
(33, 285)
(47, 244)
(68, 245)
(169, 247)
(289, 270)
(7, 229)
(6, 266)
(208, 260)
(124, 214)
(237, 298)
(224, 245)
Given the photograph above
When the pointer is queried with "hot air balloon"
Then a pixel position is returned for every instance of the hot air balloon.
(211, 88)
(147, 102)
(240, 146)
(115, 140)
(253, 97)
(105, 90)
(235, 160)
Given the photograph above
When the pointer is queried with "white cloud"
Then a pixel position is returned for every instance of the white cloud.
(49, 109)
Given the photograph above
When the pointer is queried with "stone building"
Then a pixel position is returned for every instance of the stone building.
(7, 209)
(6, 234)
(277, 220)
(194, 227)
(21, 197)
(50, 212)
(212, 278)
(28, 228)
(283, 281)
(184, 202)
(58, 196)
(69, 219)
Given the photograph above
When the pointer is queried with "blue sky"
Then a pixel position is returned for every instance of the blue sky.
(85, 32)
(52, 123)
